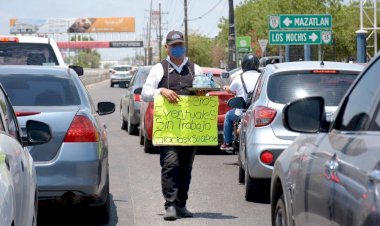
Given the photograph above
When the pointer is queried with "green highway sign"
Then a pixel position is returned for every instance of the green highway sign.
(243, 44)
(300, 37)
(300, 21)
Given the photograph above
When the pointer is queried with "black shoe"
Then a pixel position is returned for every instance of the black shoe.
(171, 214)
(185, 212)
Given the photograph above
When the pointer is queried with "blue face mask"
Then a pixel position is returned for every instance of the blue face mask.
(178, 51)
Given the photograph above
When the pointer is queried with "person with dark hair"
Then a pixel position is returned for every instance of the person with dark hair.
(170, 78)
(241, 86)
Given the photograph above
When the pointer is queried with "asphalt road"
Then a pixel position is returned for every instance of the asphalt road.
(215, 196)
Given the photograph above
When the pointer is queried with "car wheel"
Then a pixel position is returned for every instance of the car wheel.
(124, 124)
(35, 212)
(280, 213)
(148, 145)
(104, 211)
(241, 172)
(111, 84)
(141, 137)
(132, 129)
(256, 190)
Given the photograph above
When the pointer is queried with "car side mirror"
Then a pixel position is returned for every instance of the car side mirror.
(105, 108)
(138, 90)
(236, 102)
(77, 69)
(305, 115)
(37, 133)
(225, 75)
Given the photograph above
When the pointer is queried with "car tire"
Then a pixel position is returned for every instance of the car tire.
(123, 123)
(256, 190)
(280, 217)
(132, 128)
(111, 84)
(148, 145)
(104, 211)
(241, 173)
(141, 137)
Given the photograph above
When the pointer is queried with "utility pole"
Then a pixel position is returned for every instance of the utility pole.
(231, 37)
(185, 21)
(150, 28)
(159, 33)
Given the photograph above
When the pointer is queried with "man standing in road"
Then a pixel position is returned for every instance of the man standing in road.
(170, 78)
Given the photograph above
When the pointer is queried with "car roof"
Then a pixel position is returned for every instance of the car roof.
(312, 65)
(28, 69)
(27, 39)
(212, 70)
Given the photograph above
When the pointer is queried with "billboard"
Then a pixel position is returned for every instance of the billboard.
(73, 25)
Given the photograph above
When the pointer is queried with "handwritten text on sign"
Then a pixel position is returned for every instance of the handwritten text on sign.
(191, 122)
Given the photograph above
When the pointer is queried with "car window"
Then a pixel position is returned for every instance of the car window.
(285, 88)
(27, 54)
(122, 68)
(141, 76)
(359, 106)
(258, 87)
(9, 117)
(40, 90)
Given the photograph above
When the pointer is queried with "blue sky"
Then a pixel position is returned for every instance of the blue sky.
(210, 10)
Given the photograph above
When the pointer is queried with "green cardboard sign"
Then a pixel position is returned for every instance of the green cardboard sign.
(193, 121)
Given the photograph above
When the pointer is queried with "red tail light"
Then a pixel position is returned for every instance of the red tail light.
(8, 39)
(20, 114)
(81, 130)
(266, 157)
(263, 116)
(137, 97)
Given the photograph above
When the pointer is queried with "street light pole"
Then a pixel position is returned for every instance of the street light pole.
(231, 38)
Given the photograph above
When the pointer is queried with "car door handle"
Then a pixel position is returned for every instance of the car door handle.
(332, 164)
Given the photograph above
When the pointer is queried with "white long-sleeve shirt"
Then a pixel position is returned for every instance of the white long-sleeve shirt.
(150, 88)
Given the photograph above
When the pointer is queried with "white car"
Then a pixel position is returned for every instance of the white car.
(18, 188)
(29, 50)
(121, 74)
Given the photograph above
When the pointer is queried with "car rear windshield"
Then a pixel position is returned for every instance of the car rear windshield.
(12, 53)
(285, 88)
(40, 90)
(122, 68)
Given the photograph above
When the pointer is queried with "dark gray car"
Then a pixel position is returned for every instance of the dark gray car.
(73, 166)
(130, 102)
(331, 175)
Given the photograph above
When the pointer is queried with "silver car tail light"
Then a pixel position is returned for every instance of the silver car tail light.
(81, 130)
(266, 157)
(263, 116)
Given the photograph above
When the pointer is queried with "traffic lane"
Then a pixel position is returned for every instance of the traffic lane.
(215, 196)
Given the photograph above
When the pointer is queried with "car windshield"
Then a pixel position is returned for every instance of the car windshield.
(122, 68)
(12, 53)
(141, 76)
(284, 88)
(40, 90)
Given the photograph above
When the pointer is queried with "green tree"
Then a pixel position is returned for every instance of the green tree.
(87, 58)
(200, 49)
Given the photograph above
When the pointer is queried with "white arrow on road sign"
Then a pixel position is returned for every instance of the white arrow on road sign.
(287, 21)
(313, 37)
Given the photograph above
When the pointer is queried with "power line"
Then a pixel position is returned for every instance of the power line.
(212, 8)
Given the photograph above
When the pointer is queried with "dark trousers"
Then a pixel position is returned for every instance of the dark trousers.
(176, 165)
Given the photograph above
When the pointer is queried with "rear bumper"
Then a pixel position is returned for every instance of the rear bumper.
(117, 80)
(77, 169)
